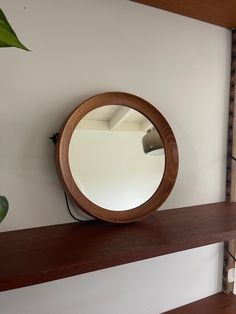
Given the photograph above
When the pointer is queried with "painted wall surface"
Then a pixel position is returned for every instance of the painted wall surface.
(81, 48)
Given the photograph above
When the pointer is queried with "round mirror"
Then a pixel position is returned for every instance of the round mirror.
(117, 157)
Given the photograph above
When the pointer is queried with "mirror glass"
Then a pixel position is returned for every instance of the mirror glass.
(116, 157)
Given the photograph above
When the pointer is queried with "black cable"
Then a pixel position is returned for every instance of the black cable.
(68, 207)
(54, 137)
(231, 256)
(233, 157)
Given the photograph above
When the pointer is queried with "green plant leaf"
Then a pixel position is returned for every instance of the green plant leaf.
(3, 207)
(8, 37)
(3, 44)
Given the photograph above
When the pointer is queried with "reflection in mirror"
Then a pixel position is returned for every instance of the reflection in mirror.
(152, 143)
(109, 160)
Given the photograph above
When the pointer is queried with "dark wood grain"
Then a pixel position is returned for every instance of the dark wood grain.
(217, 12)
(229, 263)
(170, 147)
(217, 304)
(42, 254)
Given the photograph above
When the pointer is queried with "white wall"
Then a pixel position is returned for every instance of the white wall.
(80, 48)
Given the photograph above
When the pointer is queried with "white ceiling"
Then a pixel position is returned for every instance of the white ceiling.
(115, 118)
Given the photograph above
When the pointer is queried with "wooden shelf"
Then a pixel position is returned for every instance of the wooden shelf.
(43, 254)
(217, 304)
(222, 13)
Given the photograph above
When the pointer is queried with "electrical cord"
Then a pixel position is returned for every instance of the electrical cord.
(70, 212)
(233, 157)
(54, 137)
(231, 256)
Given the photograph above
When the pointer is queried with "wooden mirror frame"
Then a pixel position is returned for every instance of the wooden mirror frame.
(170, 147)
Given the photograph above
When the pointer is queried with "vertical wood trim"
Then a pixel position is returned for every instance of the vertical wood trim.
(229, 246)
(231, 168)
(231, 150)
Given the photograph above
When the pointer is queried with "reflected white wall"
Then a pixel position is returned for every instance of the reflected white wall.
(112, 169)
